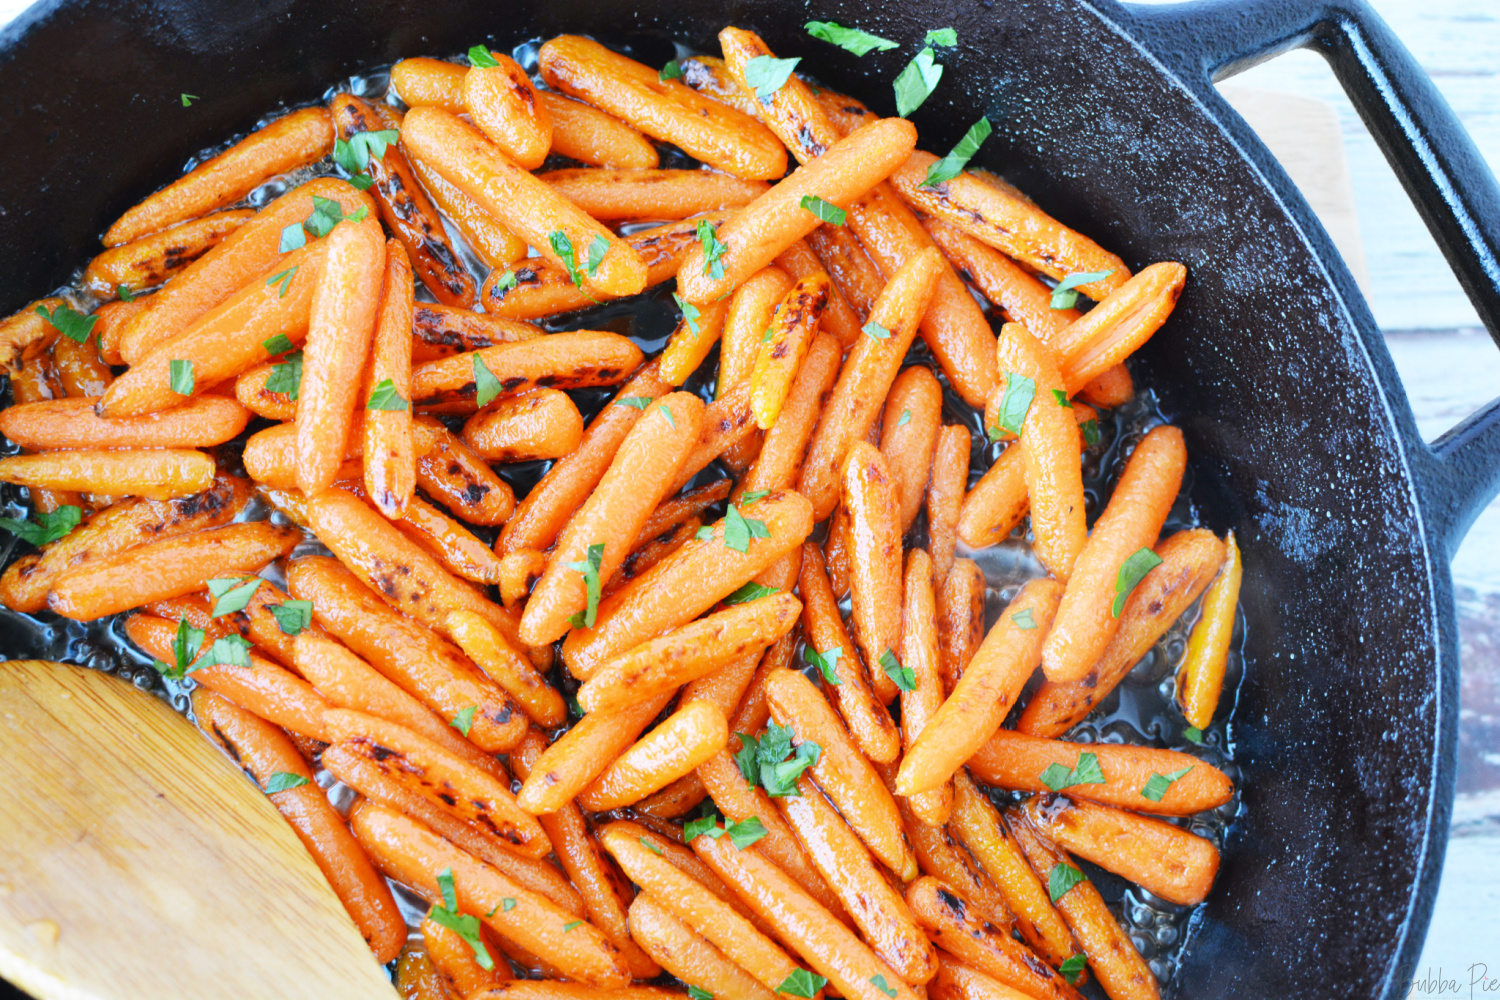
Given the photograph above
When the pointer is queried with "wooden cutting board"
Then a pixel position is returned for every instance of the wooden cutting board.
(139, 864)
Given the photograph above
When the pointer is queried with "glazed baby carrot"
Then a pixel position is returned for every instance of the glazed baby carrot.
(1166, 860)
(1010, 224)
(166, 568)
(260, 620)
(224, 341)
(449, 471)
(464, 554)
(151, 260)
(417, 979)
(639, 476)
(1089, 615)
(956, 981)
(156, 474)
(584, 133)
(955, 928)
(780, 456)
(1000, 500)
(665, 841)
(531, 989)
(497, 246)
(739, 800)
(869, 495)
(519, 570)
(71, 423)
(571, 360)
(726, 685)
(80, 371)
(1094, 344)
(404, 207)
(407, 852)
(763, 229)
(341, 324)
(422, 765)
(287, 143)
(844, 680)
(523, 204)
(667, 110)
(694, 337)
(37, 382)
(604, 892)
(271, 692)
(691, 735)
(799, 261)
(250, 389)
(503, 104)
(455, 959)
(691, 580)
(1202, 672)
(439, 331)
(697, 907)
(986, 692)
(749, 316)
(277, 767)
(1121, 971)
(251, 251)
(853, 273)
(960, 615)
(682, 508)
(688, 955)
(690, 652)
(784, 344)
(620, 195)
(978, 826)
(544, 423)
(1113, 387)
(112, 319)
(582, 753)
(1013, 288)
(116, 529)
(424, 665)
(841, 771)
(1189, 560)
(945, 495)
(390, 476)
(878, 910)
(866, 378)
(1049, 439)
(489, 648)
(541, 515)
(1143, 779)
(270, 457)
(26, 333)
(919, 654)
(908, 435)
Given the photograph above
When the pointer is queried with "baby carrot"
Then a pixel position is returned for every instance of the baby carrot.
(572, 360)
(638, 478)
(919, 654)
(620, 195)
(945, 495)
(541, 515)
(763, 229)
(544, 423)
(866, 378)
(491, 242)
(407, 852)
(665, 663)
(749, 316)
(960, 614)
(250, 389)
(1013, 288)
(1111, 388)
(1000, 500)
(1202, 672)
(71, 423)
(845, 682)
(523, 204)
(691, 580)
(694, 337)
(1121, 971)
(503, 103)
(439, 331)
(979, 828)
(449, 471)
(691, 735)
(799, 261)
(956, 981)
(875, 563)
(1089, 615)
(908, 436)
(954, 927)
(269, 755)
(985, 693)
(780, 457)
(488, 647)
(853, 273)
(455, 959)
(1126, 319)
(643, 557)
(688, 955)
(784, 344)
(27, 333)
(841, 771)
(156, 474)
(112, 319)
(728, 422)
(80, 371)
(341, 323)
(582, 753)
(584, 133)
(150, 260)
(878, 910)
(666, 110)
(454, 544)
(287, 143)
(389, 457)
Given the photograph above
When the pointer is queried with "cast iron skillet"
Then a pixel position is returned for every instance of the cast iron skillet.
(1300, 436)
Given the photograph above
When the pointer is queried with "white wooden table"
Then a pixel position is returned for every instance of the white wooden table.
(1449, 365)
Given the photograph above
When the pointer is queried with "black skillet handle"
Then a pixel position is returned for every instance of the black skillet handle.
(1449, 182)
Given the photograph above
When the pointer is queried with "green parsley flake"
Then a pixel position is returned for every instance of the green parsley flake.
(385, 397)
(875, 331)
(666, 412)
(292, 616)
(1062, 399)
(767, 74)
(1065, 297)
(650, 846)
(826, 211)
(293, 237)
(1132, 571)
(751, 591)
(1085, 772)
(480, 56)
(286, 377)
(284, 279)
(1062, 879)
(598, 247)
(904, 419)
(802, 983)
(280, 781)
(904, 677)
(232, 650)
(739, 529)
(1024, 619)
(188, 99)
(638, 402)
(232, 594)
(690, 312)
(671, 71)
(1158, 784)
(486, 385)
(572, 925)
(465, 925)
(850, 40)
(1090, 430)
(826, 662)
(952, 165)
(746, 832)
(1073, 967)
(879, 982)
(505, 282)
(180, 376)
(124, 292)
(942, 37)
(752, 496)
(698, 993)
(917, 81)
(1193, 735)
(589, 568)
(49, 526)
(278, 344)
(1014, 404)
(464, 720)
(713, 249)
(69, 322)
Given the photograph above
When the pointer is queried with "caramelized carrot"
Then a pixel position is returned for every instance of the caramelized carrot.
(491, 242)
(571, 360)
(1203, 665)
(439, 331)
(908, 436)
(455, 958)
(875, 563)
(691, 735)
(799, 261)
(584, 133)
(619, 195)
(488, 647)
(780, 457)
(71, 423)
(945, 495)
(688, 955)
(695, 335)
(449, 471)
(156, 474)
(919, 654)
(853, 273)
(582, 753)
(26, 333)
(1110, 332)
(784, 344)
(456, 546)
(151, 260)
(544, 423)
(503, 103)
(390, 476)
(1109, 389)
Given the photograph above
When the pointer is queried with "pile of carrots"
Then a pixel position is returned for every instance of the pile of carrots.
(735, 802)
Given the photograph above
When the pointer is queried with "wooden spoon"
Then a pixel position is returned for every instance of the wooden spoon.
(138, 862)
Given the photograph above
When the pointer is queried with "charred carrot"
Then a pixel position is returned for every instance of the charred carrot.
(497, 246)
(487, 646)
(784, 344)
(695, 335)
(564, 360)
(448, 470)
(870, 497)
(1094, 344)
(455, 959)
(908, 436)
(544, 423)
(850, 267)
(919, 654)
(799, 261)
(466, 556)
(439, 331)
(750, 309)
(25, 333)
(504, 105)
(1202, 672)
(150, 260)
(780, 457)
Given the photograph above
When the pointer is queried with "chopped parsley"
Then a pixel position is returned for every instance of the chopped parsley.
(826, 662)
(952, 165)
(589, 568)
(49, 526)
(1158, 784)
(767, 74)
(1062, 879)
(850, 40)
(713, 249)
(280, 781)
(465, 925)
(69, 322)
(751, 591)
(180, 376)
(1085, 772)
(385, 397)
(232, 594)
(1064, 295)
(286, 377)
(739, 529)
(1132, 571)
(1014, 404)
(826, 211)
(464, 720)
(292, 616)
(486, 385)
(904, 677)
